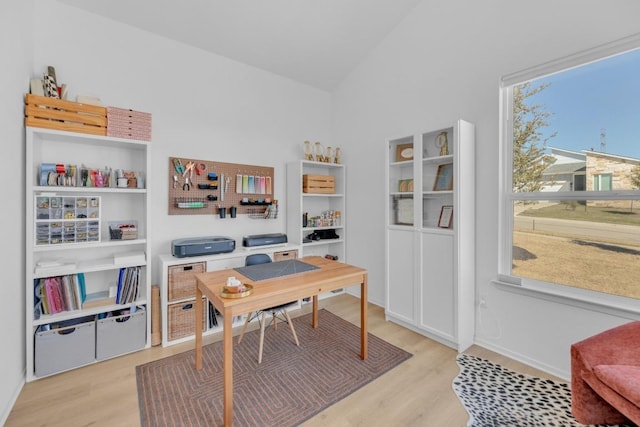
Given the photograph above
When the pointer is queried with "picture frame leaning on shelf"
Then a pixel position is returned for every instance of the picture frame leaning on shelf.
(444, 178)
(446, 215)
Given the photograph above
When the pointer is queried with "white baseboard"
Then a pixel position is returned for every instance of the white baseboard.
(566, 376)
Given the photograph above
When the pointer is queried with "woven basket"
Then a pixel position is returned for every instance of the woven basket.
(182, 280)
(181, 319)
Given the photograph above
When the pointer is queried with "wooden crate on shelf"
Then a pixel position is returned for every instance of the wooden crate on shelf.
(320, 184)
(59, 114)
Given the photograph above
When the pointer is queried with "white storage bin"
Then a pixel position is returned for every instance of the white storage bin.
(65, 347)
(121, 334)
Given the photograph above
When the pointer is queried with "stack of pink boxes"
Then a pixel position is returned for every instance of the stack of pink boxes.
(123, 123)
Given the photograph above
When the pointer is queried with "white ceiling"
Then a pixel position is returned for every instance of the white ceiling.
(316, 42)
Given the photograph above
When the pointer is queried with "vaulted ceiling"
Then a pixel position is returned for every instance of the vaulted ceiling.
(315, 42)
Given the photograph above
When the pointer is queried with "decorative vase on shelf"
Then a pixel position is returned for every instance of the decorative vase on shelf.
(337, 156)
(328, 155)
(442, 143)
(308, 151)
(319, 152)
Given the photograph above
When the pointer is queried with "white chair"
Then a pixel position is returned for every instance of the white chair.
(278, 312)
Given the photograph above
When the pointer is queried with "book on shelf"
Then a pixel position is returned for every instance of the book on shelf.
(128, 281)
(58, 293)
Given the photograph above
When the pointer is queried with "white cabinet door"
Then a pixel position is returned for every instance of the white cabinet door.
(438, 287)
(401, 301)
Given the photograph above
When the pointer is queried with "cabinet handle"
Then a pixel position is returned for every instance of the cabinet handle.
(188, 267)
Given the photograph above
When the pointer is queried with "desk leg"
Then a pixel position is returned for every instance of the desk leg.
(198, 328)
(314, 322)
(227, 366)
(364, 341)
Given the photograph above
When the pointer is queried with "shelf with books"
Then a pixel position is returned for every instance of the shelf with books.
(68, 231)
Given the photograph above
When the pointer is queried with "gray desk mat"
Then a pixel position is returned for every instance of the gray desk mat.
(272, 270)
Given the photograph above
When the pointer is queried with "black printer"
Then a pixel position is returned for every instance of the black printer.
(264, 239)
(197, 246)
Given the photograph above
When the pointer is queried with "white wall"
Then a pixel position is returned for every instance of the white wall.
(16, 50)
(442, 63)
(204, 107)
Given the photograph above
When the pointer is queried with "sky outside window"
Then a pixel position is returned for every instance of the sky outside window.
(594, 104)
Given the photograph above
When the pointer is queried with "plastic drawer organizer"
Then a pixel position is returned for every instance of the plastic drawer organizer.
(67, 219)
(73, 343)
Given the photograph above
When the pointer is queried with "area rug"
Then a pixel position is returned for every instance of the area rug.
(496, 396)
(291, 385)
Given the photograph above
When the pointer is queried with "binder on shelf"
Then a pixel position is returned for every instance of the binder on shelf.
(82, 290)
(120, 280)
(128, 280)
(213, 316)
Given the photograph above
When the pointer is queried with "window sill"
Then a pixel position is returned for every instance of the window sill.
(587, 300)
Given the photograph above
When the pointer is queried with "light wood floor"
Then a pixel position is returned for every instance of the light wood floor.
(418, 392)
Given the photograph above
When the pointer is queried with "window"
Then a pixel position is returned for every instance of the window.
(570, 182)
(602, 182)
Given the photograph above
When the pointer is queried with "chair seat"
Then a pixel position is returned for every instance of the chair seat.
(281, 306)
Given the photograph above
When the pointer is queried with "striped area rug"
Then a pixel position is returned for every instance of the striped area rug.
(290, 386)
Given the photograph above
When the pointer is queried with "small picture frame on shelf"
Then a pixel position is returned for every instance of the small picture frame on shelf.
(405, 185)
(404, 211)
(404, 152)
(446, 215)
(444, 178)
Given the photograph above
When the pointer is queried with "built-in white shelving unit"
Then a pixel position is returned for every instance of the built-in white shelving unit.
(67, 234)
(312, 214)
(430, 233)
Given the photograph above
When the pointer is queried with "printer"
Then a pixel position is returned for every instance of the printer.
(198, 246)
(264, 240)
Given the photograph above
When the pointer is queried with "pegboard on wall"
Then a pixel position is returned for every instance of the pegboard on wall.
(201, 187)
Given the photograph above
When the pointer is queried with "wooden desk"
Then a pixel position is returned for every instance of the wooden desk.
(266, 293)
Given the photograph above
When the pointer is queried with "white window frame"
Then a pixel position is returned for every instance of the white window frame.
(591, 300)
